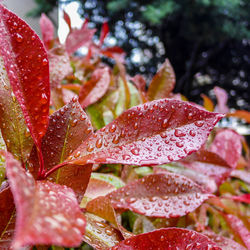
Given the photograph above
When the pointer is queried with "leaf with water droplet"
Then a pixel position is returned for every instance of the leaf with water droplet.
(95, 88)
(154, 139)
(27, 73)
(79, 37)
(159, 195)
(47, 213)
(238, 228)
(7, 218)
(227, 144)
(168, 238)
(99, 234)
(12, 123)
(163, 82)
(68, 128)
(47, 30)
(210, 164)
(224, 242)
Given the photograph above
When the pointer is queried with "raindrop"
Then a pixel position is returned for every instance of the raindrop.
(179, 144)
(45, 61)
(199, 123)
(164, 123)
(116, 139)
(18, 37)
(192, 133)
(112, 128)
(135, 151)
(179, 133)
(99, 143)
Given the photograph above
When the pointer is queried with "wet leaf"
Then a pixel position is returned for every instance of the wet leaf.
(7, 218)
(200, 178)
(154, 133)
(210, 164)
(227, 144)
(14, 130)
(104, 33)
(159, 195)
(238, 228)
(163, 82)
(79, 37)
(241, 198)
(68, 128)
(47, 29)
(222, 97)
(112, 179)
(67, 19)
(114, 52)
(23, 52)
(47, 213)
(223, 242)
(99, 234)
(168, 238)
(241, 174)
(95, 88)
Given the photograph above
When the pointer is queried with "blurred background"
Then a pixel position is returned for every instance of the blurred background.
(207, 41)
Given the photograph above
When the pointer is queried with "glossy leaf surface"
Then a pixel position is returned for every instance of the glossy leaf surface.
(47, 213)
(78, 38)
(163, 82)
(68, 128)
(159, 195)
(47, 29)
(238, 228)
(7, 218)
(23, 52)
(95, 88)
(223, 242)
(99, 234)
(227, 144)
(168, 238)
(154, 133)
(210, 164)
(14, 130)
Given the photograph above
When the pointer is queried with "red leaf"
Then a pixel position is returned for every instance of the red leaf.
(168, 238)
(95, 88)
(210, 164)
(68, 127)
(154, 133)
(114, 52)
(47, 213)
(223, 242)
(78, 38)
(241, 198)
(67, 19)
(163, 82)
(104, 33)
(159, 195)
(47, 29)
(7, 218)
(227, 144)
(23, 52)
(222, 97)
(238, 228)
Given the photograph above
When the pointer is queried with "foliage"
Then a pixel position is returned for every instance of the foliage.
(144, 176)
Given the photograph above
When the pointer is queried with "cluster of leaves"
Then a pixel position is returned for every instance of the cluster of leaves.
(89, 155)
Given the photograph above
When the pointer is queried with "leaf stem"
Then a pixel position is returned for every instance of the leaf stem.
(41, 171)
(45, 175)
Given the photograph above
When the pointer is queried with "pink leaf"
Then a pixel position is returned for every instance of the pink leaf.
(47, 213)
(168, 238)
(47, 29)
(95, 88)
(154, 133)
(222, 97)
(241, 174)
(78, 38)
(227, 144)
(67, 19)
(241, 198)
(104, 33)
(238, 228)
(23, 53)
(160, 195)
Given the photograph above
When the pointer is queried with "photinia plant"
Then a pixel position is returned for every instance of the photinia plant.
(91, 156)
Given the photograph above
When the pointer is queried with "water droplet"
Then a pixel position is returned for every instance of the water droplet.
(135, 151)
(179, 133)
(192, 133)
(179, 144)
(99, 143)
(170, 158)
(44, 99)
(116, 139)
(112, 128)
(164, 123)
(18, 37)
(45, 61)
(126, 157)
(136, 125)
(90, 148)
(74, 122)
(77, 154)
(199, 123)
(82, 117)
(109, 232)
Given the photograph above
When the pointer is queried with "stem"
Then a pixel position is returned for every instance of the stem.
(45, 175)
(41, 162)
